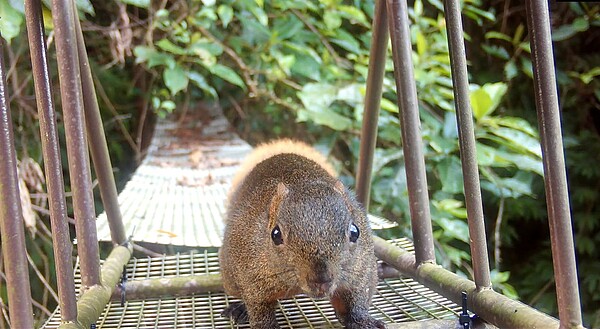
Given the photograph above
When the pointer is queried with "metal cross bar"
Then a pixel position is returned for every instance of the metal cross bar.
(52, 161)
(411, 131)
(493, 307)
(466, 137)
(368, 136)
(77, 152)
(557, 195)
(11, 217)
(92, 302)
(97, 144)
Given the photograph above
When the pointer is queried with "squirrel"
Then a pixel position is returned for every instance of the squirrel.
(292, 227)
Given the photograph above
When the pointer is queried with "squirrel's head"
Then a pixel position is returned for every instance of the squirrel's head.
(313, 232)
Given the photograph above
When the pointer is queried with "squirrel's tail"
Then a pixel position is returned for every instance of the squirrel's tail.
(270, 149)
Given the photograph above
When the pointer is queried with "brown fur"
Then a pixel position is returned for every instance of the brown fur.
(290, 186)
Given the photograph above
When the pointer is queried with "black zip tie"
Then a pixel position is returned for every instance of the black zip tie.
(463, 318)
(122, 285)
(93, 326)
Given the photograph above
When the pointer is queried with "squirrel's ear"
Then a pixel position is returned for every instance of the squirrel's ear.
(281, 192)
(341, 189)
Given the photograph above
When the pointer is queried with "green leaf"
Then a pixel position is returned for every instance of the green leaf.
(332, 19)
(563, 32)
(450, 171)
(317, 100)
(260, 15)
(254, 32)
(10, 21)
(228, 75)
(354, 14)
(496, 51)
(485, 99)
(498, 35)
(421, 44)
(454, 228)
(326, 117)
(170, 47)
(523, 162)
(288, 27)
(199, 80)
(518, 124)
(153, 57)
(137, 3)
(510, 70)
(347, 41)
(225, 13)
(581, 24)
(389, 106)
(589, 76)
(85, 6)
(518, 140)
(175, 79)
(527, 67)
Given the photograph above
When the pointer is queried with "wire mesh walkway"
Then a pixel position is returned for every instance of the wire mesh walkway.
(396, 300)
(176, 197)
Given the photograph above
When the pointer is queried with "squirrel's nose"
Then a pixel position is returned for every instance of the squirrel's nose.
(323, 281)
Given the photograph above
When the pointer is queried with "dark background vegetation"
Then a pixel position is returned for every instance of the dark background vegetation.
(298, 68)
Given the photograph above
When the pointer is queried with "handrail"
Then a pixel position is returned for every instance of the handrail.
(555, 176)
(368, 135)
(410, 124)
(11, 216)
(61, 241)
(77, 152)
(466, 138)
(98, 145)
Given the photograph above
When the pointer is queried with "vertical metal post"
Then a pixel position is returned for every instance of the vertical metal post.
(79, 167)
(368, 136)
(411, 131)
(52, 162)
(468, 153)
(97, 144)
(11, 217)
(557, 196)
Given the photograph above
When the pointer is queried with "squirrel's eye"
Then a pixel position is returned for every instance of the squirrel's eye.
(276, 235)
(354, 232)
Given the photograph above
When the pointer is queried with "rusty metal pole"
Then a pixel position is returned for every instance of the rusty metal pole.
(77, 152)
(97, 144)
(11, 218)
(368, 136)
(557, 194)
(61, 241)
(468, 153)
(411, 131)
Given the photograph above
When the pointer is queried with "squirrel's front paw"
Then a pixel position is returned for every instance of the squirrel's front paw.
(237, 312)
(366, 323)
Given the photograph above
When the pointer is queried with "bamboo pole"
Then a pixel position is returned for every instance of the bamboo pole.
(491, 306)
(92, 301)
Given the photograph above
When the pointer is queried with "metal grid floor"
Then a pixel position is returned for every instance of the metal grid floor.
(396, 300)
